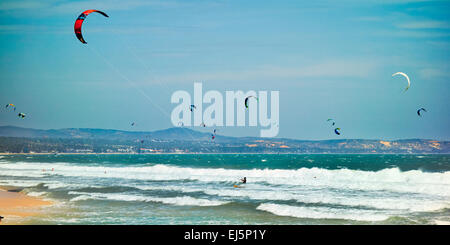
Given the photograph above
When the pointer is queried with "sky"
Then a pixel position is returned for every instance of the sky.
(327, 59)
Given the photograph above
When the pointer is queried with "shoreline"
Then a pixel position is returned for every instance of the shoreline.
(15, 205)
(218, 153)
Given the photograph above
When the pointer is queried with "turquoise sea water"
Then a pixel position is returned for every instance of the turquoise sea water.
(199, 188)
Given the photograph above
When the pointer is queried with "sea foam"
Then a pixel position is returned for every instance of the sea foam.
(179, 201)
(322, 213)
(391, 179)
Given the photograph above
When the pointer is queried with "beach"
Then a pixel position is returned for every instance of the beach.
(15, 205)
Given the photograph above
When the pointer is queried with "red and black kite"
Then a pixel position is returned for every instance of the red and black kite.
(79, 22)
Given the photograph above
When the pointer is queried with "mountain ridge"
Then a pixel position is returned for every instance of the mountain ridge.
(174, 131)
(16, 140)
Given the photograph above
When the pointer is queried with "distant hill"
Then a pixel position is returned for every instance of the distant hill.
(104, 134)
(17, 139)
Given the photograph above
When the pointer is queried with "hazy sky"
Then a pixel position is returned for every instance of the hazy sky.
(328, 59)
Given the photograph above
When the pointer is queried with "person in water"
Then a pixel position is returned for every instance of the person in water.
(244, 180)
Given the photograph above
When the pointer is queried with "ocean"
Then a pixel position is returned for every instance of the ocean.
(292, 189)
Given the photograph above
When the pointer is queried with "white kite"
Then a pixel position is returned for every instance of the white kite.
(407, 78)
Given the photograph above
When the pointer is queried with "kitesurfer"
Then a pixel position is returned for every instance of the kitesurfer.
(244, 180)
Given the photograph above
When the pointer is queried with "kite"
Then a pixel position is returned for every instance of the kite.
(421, 109)
(336, 131)
(79, 23)
(246, 100)
(331, 120)
(406, 76)
(11, 105)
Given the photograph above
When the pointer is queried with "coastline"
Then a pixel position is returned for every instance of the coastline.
(16, 205)
(225, 153)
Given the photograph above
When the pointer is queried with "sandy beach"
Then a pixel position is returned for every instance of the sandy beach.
(16, 205)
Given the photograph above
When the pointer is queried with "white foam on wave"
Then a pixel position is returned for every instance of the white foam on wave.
(398, 201)
(50, 184)
(389, 189)
(392, 179)
(322, 212)
(441, 222)
(61, 185)
(175, 187)
(81, 198)
(36, 193)
(20, 183)
(20, 173)
(179, 201)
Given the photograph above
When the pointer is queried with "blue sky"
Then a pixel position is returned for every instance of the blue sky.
(328, 59)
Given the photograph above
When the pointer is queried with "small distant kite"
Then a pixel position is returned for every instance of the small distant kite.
(11, 105)
(79, 23)
(336, 131)
(406, 76)
(421, 109)
(246, 100)
(132, 124)
(333, 123)
(21, 115)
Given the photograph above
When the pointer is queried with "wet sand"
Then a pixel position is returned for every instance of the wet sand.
(16, 205)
